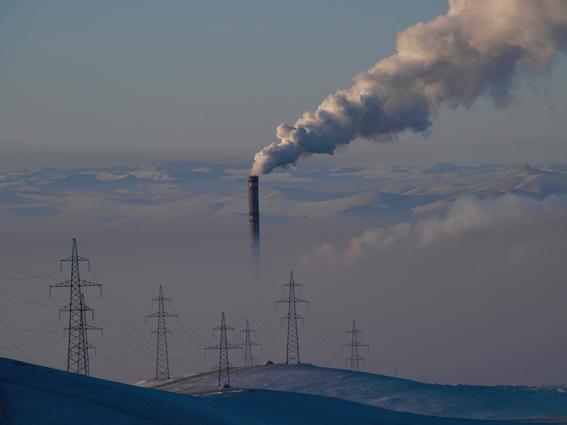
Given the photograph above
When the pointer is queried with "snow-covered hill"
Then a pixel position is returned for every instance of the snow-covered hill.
(527, 181)
(465, 401)
(34, 395)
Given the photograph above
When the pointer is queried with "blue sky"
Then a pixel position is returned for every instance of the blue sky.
(105, 82)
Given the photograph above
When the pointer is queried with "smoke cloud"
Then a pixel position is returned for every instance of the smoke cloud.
(475, 49)
(465, 217)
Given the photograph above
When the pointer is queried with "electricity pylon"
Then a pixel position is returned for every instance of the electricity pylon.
(85, 346)
(162, 355)
(223, 346)
(292, 348)
(249, 356)
(354, 344)
(77, 344)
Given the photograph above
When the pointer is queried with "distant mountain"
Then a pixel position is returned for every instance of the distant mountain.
(187, 188)
(447, 167)
(525, 181)
(529, 181)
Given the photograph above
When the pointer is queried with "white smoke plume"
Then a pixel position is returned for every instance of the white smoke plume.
(466, 216)
(476, 48)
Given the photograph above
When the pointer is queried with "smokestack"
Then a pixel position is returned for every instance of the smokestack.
(254, 216)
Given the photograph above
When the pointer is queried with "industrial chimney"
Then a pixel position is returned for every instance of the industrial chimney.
(254, 216)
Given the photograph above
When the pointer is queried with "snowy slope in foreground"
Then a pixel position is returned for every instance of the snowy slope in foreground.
(34, 395)
(464, 401)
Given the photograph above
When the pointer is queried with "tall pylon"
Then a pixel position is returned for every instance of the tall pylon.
(292, 355)
(77, 344)
(249, 334)
(85, 346)
(162, 355)
(354, 345)
(223, 370)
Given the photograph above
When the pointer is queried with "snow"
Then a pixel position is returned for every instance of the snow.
(35, 395)
(464, 401)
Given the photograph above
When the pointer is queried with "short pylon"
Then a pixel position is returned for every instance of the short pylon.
(354, 345)
(77, 344)
(223, 369)
(162, 355)
(292, 347)
(249, 334)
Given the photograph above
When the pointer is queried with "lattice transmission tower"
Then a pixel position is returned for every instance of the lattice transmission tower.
(249, 342)
(354, 345)
(292, 347)
(77, 344)
(85, 346)
(162, 354)
(224, 366)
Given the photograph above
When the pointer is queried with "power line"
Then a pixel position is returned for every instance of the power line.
(129, 365)
(41, 329)
(22, 356)
(292, 347)
(25, 300)
(162, 356)
(36, 345)
(27, 275)
(123, 319)
(135, 346)
(129, 330)
(6, 346)
(111, 360)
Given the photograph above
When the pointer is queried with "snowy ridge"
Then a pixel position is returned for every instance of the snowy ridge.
(34, 395)
(464, 401)
(186, 189)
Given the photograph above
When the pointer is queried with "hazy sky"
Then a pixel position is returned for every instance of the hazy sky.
(98, 82)
(475, 294)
